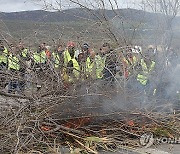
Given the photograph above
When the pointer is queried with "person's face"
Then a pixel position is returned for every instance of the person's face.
(20, 46)
(81, 57)
(42, 46)
(59, 48)
(85, 51)
(105, 50)
(71, 50)
(84, 48)
(92, 54)
(13, 49)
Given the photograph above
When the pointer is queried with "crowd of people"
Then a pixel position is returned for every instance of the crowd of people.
(131, 63)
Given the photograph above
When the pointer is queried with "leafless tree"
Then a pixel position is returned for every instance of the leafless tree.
(166, 11)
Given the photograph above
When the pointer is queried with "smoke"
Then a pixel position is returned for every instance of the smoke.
(161, 94)
(174, 85)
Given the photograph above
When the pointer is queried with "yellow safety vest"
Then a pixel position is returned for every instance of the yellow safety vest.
(40, 57)
(76, 72)
(89, 67)
(4, 56)
(143, 78)
(129, 62)
(100, 65)
(25, 53)
(56, 59)
(67, 57)
(13, 62)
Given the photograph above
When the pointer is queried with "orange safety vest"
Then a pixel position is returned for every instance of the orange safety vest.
(48, 54)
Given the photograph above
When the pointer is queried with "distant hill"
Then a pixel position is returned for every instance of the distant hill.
(78, 14)
(76, 23)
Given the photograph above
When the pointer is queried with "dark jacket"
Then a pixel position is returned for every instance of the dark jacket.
(110, 66)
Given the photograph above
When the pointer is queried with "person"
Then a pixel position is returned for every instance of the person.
(129, 62)
(47, 51)
(39, 57)
(86, 61)
(3, 56)
(143, 82)
(3, 63)
(69, 52)
(83, 56)
(90, 65)
(14, 68)
(173, 58)
(57, 57)
(39, 64)
(71, 71)
(24, 63)
(106, 63)
(145, 76)
(100, 59)
(23, 52)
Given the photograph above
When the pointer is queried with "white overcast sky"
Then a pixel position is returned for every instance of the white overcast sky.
(25, 5)
(17, 5)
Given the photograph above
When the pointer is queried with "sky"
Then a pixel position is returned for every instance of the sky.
(26, 5)
(18, 5)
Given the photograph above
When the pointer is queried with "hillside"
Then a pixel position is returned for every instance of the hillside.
(80, 24)
(78, 14)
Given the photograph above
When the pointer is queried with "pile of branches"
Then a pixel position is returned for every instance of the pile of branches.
(50, 123)
(85, 117)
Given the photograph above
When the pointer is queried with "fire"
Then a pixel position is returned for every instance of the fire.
(77, 123)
